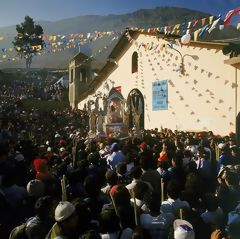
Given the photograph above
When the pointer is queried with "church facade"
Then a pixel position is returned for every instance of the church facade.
(194, 87)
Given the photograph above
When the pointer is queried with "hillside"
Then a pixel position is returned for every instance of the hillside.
(142, 18)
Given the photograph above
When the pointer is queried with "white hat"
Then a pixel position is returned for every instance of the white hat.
(183, 230)
(63, 211)
(35, 188)
(49, 149)
(57, 135)
(221, 145)
(62, 149)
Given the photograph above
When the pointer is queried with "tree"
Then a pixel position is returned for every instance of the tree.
(28, 41)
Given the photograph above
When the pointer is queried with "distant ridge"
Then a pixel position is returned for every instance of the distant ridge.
(143, 18)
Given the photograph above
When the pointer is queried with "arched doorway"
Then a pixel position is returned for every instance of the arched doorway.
(135, 106)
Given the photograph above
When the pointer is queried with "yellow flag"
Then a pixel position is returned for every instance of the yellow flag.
(10, 49)
(4, 56)
(196, 33)
(59, 43)
(211, 20)
(1, 38)
(238, 26)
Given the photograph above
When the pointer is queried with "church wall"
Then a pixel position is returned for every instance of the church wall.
(201, 100)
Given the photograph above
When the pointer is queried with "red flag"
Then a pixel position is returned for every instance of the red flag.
(229, 15)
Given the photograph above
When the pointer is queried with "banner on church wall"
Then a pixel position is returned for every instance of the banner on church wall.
(160, 95)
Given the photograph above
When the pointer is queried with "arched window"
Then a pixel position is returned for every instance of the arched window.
(134, 62)
(83, 76)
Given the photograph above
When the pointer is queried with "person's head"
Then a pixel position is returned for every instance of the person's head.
(121, 195)
(145, 162)
(93, 158)
(153, 203)
(44, 208)
(140, 189)
(163, 165)
(173, 189)
(121, 168)
(109, 222)
(66, 217)
(231, 179)
(235, 151)
(114, 147)
(210, 202)
(35, 188)
(177, 161)
(92, 186)
(91, 235)
(136, 172)
(183, 230)
(111, 177)
(234, 230)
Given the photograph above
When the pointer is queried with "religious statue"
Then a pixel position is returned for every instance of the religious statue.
(100, 121)
(126, 115)
(115, 113)
(92, 122)
(137, 112)
(97, 104)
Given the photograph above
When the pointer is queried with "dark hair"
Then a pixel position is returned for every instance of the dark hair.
(109, 222)
(111, 177)
(136, 172)
(210, 202)
(177, 159)
(163, 164)
(121, 168)
(173, 189)
(140, 189)
(91, 235)
(93, 158)
(232, 178)
(91, 185)
(152, 201)
(43, 207)
(122, 196)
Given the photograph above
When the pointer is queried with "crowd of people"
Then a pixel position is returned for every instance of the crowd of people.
(31, 89)
(56, 182)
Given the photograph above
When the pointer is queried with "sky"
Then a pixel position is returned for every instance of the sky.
(13, 12)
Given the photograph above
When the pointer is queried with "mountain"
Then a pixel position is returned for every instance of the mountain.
(144, 18)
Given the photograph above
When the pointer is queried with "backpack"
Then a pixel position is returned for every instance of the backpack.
(18, 232)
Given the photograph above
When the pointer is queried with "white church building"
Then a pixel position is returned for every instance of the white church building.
(194, 87)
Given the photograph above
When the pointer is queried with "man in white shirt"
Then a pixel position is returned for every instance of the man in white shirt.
(173, 203)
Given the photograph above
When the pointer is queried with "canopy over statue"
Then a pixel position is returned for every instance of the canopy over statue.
(115, 104)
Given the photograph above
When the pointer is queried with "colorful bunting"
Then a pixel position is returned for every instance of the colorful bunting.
(229, 15)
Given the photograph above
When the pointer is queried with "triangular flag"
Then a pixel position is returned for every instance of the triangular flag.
(189, 24)
(203, 31)
(203, 21)
(214, 25)
(195, 22)
(230, 15)
(196, 33)
(238, 26)
(211, 20)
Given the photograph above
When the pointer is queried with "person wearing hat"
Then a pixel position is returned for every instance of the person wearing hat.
(183, 230)
(225, 157)
(67, 222)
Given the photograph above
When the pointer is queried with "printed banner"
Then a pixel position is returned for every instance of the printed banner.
(160, 95)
